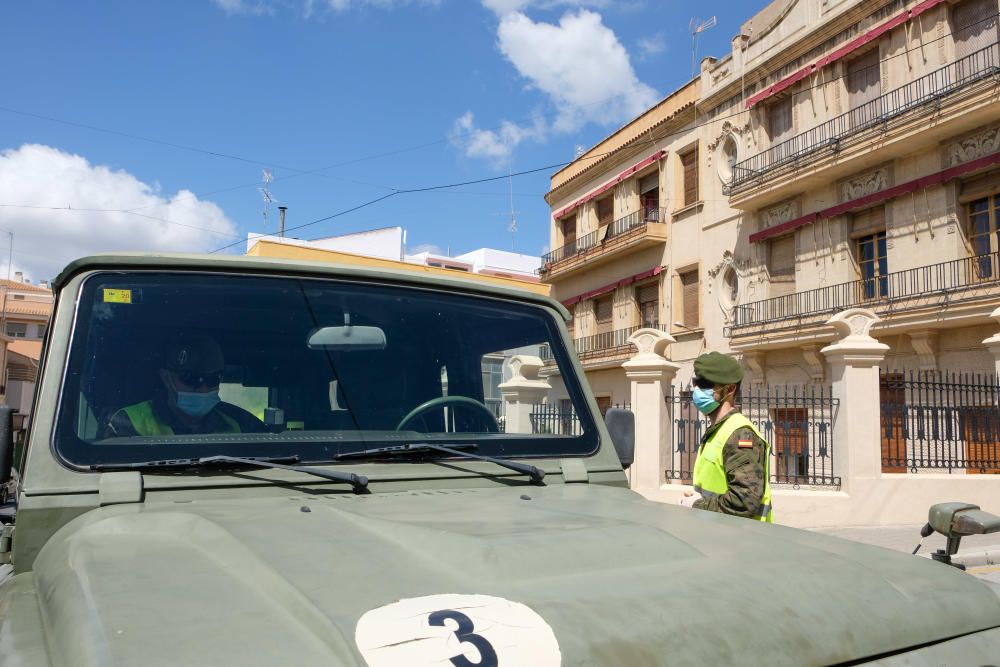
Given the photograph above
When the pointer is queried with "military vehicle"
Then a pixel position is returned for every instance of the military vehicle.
(378, 514)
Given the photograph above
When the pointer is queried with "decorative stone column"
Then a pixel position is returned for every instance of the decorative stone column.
(650, 374)
(522, 392)
(993, 344)
(854, 369)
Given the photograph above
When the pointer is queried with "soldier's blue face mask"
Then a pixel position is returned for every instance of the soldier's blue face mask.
(704, 399)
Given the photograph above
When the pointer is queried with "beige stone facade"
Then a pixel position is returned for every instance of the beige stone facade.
(846, 154)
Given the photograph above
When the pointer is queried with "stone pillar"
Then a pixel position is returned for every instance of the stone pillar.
(993, 344)
(650, 374)
(522, 392)
(854, 371)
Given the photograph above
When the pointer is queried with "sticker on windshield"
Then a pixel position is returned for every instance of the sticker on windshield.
(461, 630)
(117, 296)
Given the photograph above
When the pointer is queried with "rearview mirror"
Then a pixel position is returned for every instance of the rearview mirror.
(621, 426)
(347, 338)
(955, 521)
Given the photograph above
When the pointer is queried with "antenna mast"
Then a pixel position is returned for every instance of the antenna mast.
(697, 26)
(265, 191)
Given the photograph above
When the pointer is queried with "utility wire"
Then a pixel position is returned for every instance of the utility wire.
(400, 191)
(598, 155)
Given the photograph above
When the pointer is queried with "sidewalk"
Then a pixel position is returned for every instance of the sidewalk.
(976, 551)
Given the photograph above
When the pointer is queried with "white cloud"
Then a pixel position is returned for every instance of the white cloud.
(255, 7)
(579, 64)
(309, 7)
(653, 45)
(503, 7)
(46, 240)
(494, 145)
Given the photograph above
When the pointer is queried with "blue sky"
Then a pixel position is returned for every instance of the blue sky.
(153, 120)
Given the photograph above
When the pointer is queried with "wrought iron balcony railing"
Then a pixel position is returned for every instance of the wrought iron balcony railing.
(601, 342)
(920, 95)
(880, 293)
(621, 227)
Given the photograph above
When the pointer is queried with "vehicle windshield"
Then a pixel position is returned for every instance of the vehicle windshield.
(185, 365)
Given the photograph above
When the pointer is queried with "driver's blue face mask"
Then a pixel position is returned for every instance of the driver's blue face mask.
(196, 403)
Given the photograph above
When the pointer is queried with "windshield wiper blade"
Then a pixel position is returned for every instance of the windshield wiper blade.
(536, 474)
(359, 482)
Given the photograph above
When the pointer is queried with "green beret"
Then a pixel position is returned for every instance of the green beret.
(718, 368)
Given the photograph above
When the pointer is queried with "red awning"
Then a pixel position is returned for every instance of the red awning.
(610, 287)
(610, 184)
(853, 45)
(875, 198)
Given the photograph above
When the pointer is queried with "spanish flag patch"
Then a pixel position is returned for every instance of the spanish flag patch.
(744, 444)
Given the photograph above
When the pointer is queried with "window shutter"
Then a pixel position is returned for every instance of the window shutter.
(647, 293)
(605, 211)
(864, 79)
(604, 308)
(690, 164)
(782, 266)
(689, 296)
(649, 182)
(871, 220)
(569, 230)
(975, 26)
(779, 121)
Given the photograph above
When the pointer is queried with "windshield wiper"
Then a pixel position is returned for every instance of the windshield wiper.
(359, 482)
(536, 474)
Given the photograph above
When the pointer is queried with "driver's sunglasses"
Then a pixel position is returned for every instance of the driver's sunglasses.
(702, 383)
(200, 379)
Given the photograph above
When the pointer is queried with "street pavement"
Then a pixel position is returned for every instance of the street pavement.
(980, 553)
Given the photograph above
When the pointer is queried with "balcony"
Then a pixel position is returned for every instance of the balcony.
(919, 97)
(932, 294)
(602, 347)
(640, 229)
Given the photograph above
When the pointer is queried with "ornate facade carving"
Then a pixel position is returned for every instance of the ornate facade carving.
(814, 362)
(865, 184)
(973, 147)
(779, 214)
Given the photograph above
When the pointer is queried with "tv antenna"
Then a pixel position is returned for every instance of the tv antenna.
(512, 227)
(265, 192)
(696, 27)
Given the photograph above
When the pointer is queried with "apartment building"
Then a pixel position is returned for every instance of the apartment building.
(26, 309)
(845, 153)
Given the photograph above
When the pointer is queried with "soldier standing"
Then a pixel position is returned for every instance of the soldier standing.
(731, 471)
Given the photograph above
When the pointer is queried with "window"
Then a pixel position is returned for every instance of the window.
(492, 366)
(870, 251)
(780, 124)
(345, 364)
(568, 228)
(649, 197)
(974, 26)
(17, 329)
(864, 85)
(648, 298)
(603, 311)
(791, 451)
(689, 164)
(605, 211)
(781, 266)
(690, 312)
(984, 234)
(42, 329)
(727, 157)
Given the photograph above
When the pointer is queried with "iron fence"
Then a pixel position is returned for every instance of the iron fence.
(796, 420)
(881, 293)
(922, 94)
(932, 421)
(637, 220)
(605, 342)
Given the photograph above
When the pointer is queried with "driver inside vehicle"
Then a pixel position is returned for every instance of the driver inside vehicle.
(185, 400)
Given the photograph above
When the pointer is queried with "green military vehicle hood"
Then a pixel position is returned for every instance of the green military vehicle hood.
(612, 578)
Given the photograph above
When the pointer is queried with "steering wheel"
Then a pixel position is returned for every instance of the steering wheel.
(444, 401)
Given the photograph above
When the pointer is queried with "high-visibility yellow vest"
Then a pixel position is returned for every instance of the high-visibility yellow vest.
(145, 422)
(710, 471)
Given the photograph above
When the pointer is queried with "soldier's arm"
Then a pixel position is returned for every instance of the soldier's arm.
(744, 465)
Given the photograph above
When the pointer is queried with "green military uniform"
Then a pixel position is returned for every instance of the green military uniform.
(732, 469)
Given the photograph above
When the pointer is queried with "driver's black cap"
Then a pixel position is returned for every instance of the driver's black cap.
(194, 354)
